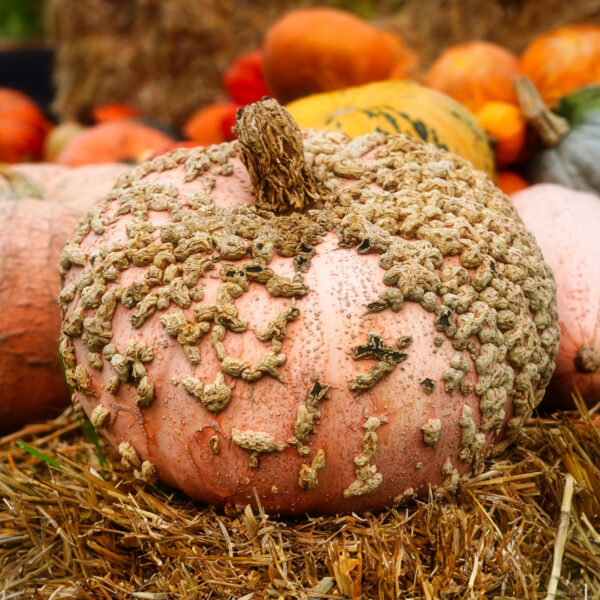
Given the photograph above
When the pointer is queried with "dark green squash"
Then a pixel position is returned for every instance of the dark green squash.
(569, 150)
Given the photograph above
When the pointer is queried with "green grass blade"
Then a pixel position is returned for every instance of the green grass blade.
(91, 431)
(39, 455)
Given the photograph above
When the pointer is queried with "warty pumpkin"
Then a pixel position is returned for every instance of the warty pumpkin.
(474, 73)
(325, 324)
(568, 152)
(398, 107)
(565, 224)
(320, 49)
(563, 60)
(23, 127)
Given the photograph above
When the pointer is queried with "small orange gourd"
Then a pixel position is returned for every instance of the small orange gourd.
(510, 182)
(507, 130)
(114, 112)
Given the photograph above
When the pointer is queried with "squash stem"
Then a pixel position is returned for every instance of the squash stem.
(550, 127)
(587, 360)
(273, 152)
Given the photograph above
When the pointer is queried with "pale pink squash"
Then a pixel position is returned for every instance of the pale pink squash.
(349, 355)
(565, 224)
(77, 188)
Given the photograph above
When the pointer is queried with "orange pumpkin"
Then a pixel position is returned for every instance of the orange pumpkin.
(23, 127)
(116, 141)
(113, 112)
(563, 60)
(507, 129)
(212, 124)
(510, 182)
(475, 73)
(322, 49)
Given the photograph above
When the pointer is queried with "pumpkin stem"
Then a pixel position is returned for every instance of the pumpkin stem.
(272, 150)
(550, 127)
(21, 186)
(586, 360)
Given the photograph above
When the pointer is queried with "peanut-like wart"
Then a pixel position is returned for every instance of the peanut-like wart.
(431, 431)
(308, 473)
(257, 443)
(367, 478)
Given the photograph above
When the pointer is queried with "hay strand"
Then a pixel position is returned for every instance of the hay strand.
(71, 526)
(561, 537)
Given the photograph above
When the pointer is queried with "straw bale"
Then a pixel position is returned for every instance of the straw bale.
(73, 523)
(180, 51)
(72, 19)
(431, 26)
(182, 47)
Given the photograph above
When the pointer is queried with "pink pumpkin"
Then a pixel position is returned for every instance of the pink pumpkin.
(332, 325)
(40, 205)
(565, 224)
(76, 187)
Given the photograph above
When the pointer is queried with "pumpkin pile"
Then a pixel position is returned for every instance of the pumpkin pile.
(231, 314)
(26, 135)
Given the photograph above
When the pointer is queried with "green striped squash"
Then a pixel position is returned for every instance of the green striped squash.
(398, 107)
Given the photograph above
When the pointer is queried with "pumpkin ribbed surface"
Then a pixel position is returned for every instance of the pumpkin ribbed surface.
(32, 233)
(565, 224)
(398, 107)
(329, 324)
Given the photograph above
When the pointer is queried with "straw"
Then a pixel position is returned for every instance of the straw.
(66, 531)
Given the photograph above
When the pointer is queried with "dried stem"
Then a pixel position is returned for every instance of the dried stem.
(272, 150)
(561, 537)
(550, 127)
(586, 360)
